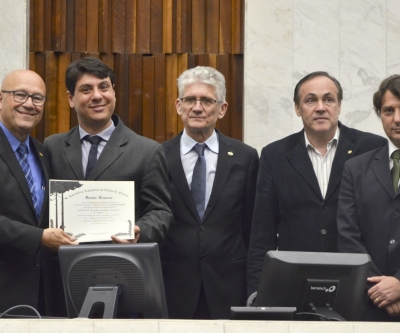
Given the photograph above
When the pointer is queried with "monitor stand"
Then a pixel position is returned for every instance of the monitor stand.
(101, 299)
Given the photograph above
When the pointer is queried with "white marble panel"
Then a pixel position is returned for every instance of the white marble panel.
(357, 109)
(327, 327)
(316, 42)
(376, 327)
(268, 42)
(192, 326)
(14, 35)
(257, 327)
(393, 37)
(13, 325)
(362, 42)
(125, 326)
(269, 114)
(61, 326)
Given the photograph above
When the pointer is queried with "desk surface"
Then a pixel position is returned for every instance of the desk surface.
(189, 326)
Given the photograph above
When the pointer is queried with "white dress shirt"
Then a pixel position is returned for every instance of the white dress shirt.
(323, 164)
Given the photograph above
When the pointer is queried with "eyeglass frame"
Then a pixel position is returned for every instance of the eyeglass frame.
(198, 99)
(28, 95)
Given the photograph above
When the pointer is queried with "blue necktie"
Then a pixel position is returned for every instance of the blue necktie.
(199, 180)
(22, 154)
(92, 159)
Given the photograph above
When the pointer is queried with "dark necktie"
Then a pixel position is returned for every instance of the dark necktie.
(199, 180)
(22, 154)
(92, 159)
(396, 169)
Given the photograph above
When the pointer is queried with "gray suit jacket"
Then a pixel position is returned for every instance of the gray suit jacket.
(126, 156)
(368, 218)
(21, 257)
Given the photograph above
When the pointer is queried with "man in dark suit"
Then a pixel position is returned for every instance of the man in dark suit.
(369, 205)
(205, 253)
(299, 176)
(121, 153)
(25, 239)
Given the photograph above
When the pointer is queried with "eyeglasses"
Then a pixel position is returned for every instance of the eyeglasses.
(22, 97)
(204, 101)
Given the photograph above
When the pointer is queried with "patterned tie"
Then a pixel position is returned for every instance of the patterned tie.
(94, 140)
(22, 154)
(199, 180)
(396, 169)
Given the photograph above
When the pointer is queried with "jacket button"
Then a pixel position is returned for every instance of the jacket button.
(392, 241)
(202, 227)
(203, 257)
(323, 231)
(37, 263)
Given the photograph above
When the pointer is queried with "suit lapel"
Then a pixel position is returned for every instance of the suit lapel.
(73, 153)
(10, 159)
(301, 162)
(177, 173)
(346, 149)
(226, 157)
(381, 169)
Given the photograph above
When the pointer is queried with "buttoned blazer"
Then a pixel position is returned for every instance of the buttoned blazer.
(125, 157)
(289, 202)
(212, 251)
(368, 215)
(21, 257)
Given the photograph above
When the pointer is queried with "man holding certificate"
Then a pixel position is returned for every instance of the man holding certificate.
(102, 148)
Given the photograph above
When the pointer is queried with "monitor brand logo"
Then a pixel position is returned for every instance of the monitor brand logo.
(327, 290)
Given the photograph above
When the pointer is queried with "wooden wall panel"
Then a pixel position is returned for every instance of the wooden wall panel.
(148, 44)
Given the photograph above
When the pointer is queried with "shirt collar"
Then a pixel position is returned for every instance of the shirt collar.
(392, 148)
(334, 139)
(187, 143)
(14, 142)
(104, 134)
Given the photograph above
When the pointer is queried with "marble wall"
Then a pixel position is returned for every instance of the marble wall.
(14, 35)
(356, 41)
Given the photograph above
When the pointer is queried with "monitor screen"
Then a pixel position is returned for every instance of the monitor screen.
(328, 284)
(127, 274)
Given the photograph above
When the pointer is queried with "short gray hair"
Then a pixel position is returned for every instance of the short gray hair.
(203, 74)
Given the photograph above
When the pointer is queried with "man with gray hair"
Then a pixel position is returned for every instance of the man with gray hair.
(212, 179)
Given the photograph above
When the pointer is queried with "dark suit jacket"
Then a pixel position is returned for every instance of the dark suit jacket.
(21, 258)
(289, 201)
(368, 217)
(126, 156)
(212, 252)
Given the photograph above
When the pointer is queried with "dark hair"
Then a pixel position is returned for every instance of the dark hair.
(296, 97)
(87, 65)
(392, 83)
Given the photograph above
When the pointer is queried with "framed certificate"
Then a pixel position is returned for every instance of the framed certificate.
(93, 211)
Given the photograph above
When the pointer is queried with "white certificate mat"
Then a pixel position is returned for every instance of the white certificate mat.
(93, 211)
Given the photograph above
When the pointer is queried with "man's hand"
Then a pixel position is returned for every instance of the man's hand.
(393, 309)
(53, 238)
(127, 241)
(385, 292)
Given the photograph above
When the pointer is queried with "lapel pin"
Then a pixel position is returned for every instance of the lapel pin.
(230, 153)
(349, 152)
(41, 155)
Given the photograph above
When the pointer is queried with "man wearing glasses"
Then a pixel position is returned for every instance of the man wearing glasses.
(24, 234)
(212, 179)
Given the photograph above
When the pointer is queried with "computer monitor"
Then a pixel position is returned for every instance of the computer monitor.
(113, 281)
(331, 285)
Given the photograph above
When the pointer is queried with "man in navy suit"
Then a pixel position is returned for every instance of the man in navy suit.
(25, 239)
(299, 176)
(205, 253)
(368, 211)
